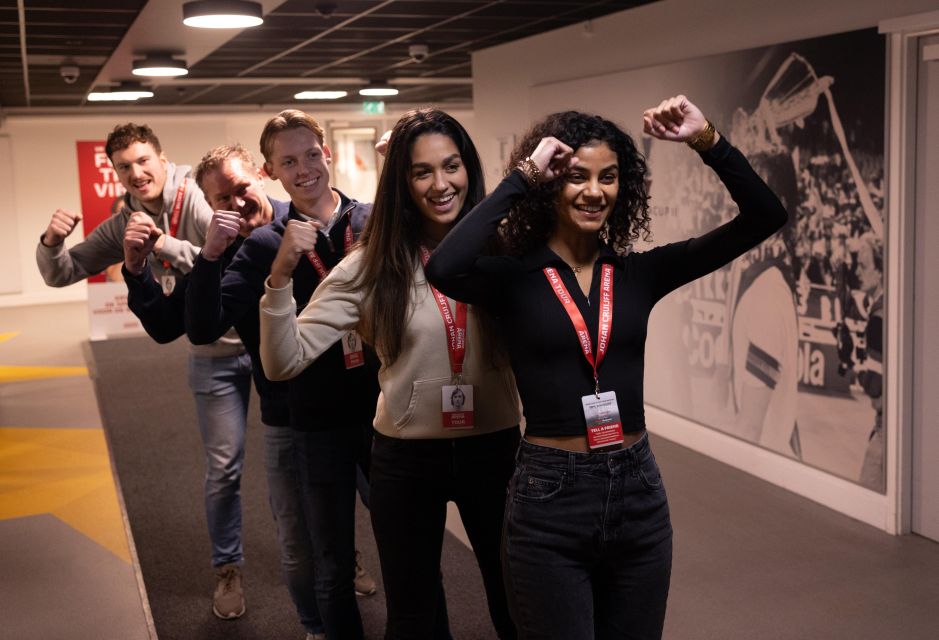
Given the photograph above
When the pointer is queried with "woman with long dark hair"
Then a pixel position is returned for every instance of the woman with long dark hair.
(426, 450)
(588, 541)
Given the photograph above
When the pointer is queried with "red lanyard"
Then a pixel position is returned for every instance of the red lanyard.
(317, 263)
(455, 327)
(177, 211)
(606, 317)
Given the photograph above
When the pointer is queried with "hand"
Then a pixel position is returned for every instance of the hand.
(676, 119)
(224, 227)
(381, 147)
(299, 238)
(62, 224)
(553, 158)
(140, 238)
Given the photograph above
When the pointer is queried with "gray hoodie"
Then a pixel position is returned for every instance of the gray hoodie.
(104, 246)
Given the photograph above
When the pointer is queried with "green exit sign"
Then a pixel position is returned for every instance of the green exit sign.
(373, 106)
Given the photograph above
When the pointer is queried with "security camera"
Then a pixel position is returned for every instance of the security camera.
(69, 73)
(418, 52)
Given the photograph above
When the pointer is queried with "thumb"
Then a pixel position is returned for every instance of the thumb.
(78, 217)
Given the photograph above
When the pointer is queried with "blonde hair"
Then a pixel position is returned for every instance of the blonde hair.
(288, 119)
(219, 155)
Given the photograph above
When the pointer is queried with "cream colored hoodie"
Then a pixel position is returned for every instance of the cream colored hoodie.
(409, 405)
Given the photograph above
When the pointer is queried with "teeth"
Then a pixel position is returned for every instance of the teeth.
(308, 183)
(443, 200)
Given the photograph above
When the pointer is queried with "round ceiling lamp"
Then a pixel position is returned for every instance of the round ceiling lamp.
(124, 92)
(162, 66)
(377, 88)
(320, 95)
(222, 14)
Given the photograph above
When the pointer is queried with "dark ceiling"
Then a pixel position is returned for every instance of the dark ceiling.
(297, 48)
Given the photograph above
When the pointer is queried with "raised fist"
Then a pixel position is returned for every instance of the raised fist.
(224, 227)
(299, 238)
(62, 224)
(140, 239)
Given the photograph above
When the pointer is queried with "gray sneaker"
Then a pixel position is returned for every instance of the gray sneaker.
(364, 583)
(228, 601)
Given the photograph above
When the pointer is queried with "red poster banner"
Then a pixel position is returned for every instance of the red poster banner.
(100, 188)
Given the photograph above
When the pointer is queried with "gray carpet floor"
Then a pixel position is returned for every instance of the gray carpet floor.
(149, 417)
(751, 560)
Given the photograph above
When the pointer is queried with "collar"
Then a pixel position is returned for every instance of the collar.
(543, 257)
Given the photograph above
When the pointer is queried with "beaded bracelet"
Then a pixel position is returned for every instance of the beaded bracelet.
(530, 170)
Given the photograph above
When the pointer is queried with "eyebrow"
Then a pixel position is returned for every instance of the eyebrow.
(447, 160)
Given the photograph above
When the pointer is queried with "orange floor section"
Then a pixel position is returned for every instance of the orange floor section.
(66, 473)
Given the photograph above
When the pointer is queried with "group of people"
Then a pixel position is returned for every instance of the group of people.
(399, 341)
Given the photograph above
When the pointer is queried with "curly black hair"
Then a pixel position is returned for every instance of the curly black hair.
(532, 220)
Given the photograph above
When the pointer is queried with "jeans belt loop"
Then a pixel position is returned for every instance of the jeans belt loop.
(571, 464)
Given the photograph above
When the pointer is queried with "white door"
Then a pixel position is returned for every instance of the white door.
(926, 297)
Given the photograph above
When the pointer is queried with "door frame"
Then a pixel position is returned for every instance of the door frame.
(903, 35)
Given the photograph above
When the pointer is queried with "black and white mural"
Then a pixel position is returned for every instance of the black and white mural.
(783, 347)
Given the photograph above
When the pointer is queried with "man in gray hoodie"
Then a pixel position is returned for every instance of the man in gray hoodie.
(163, 194)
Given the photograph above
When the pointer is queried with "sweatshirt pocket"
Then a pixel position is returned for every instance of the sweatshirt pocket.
(424, 404)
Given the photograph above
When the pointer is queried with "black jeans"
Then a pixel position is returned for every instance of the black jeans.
(327, 462)
(411, 483)
(587, 545)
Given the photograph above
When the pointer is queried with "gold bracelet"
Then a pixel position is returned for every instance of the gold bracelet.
(704, 140)
(530, 170)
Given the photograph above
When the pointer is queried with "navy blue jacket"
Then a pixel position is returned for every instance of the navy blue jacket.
(164, 319)
(326, 395)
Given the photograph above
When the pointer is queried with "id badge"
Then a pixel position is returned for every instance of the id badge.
(602, 416)
(352, 350)
(168, 283)
(457, 402)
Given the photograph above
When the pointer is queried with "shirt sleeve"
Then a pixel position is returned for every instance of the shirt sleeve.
(61, 266)
(290, 343)
(459, 267)
(217, 298)
(162, 316)
(182, 253)
(760, 215)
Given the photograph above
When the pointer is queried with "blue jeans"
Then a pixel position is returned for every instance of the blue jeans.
(296, 550)
(412, 481)
(328, 463)
(587, 544)
(220, 387)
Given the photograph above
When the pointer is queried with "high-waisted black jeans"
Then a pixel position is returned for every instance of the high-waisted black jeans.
(587, 545)
(411, 483)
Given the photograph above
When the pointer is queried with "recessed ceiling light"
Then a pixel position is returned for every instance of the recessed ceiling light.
(222, 14)
(160, 66)
(125, 91)
(320, 95)
(377, 88)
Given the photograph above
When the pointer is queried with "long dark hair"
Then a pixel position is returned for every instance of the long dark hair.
(391, 239)
(532, 220)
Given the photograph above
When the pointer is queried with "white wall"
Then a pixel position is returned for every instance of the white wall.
(517, 83)
(666, 31)
(44, 173)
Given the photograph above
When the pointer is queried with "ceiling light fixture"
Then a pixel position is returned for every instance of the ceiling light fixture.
(125, 91)
(222, 14)
(378, 88)
(160, 65)
(320, 95)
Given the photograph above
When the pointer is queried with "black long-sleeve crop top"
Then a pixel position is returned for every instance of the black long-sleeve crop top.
(550, 368)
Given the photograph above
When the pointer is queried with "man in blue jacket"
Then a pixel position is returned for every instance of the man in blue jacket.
(234, 187)
(333, 402)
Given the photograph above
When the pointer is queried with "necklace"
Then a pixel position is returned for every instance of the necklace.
(578, 268)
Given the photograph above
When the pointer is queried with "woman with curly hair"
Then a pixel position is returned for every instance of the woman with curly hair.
(587, 540)
(446, 423)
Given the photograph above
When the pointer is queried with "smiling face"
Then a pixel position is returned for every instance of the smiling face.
(235, 186)
(142, 171)
(437, 181)
(301, 163)
(590, 189)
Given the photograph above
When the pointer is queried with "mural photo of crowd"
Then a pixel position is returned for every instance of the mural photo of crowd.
(783, 347)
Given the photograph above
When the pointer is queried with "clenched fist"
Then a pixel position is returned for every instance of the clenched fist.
(62, 224)
(140, 239)
(299, 238)
(223, 229)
